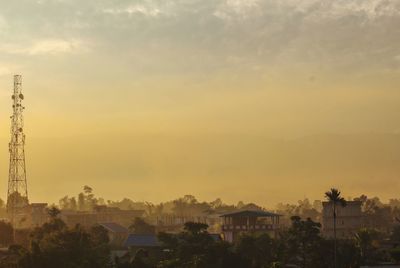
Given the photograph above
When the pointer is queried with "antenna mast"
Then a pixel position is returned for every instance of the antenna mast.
(17, 197)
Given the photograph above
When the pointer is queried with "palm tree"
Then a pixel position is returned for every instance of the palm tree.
(334, 196)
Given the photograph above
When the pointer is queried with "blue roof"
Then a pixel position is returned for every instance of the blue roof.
(216, 237)
(142, 240)
(114, 227)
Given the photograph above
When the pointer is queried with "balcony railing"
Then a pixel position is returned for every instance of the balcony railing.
(254, 227)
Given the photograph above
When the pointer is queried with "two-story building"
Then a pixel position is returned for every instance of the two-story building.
(349, 219)
(249, 222)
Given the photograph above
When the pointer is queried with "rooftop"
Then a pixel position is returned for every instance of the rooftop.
(142, 240)
(251, 213)
(114, 227)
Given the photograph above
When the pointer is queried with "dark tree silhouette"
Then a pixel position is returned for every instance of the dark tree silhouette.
(139, 226)
(6, 233)
(337, 200)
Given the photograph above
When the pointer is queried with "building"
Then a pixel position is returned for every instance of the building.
(100, 214)
(30, 216)
(117, 234)
(249, 222)
(349, 219)
(175, 224)
(38, 214)
(142, 241)
(146, 246)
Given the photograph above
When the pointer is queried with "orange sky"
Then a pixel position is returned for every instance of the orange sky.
(262, 101)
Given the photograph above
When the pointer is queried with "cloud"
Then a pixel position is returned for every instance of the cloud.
(234, 8)
(135, 9)
(45, 46)
(204, 35)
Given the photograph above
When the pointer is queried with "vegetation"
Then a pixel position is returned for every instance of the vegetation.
(336, 199)
(378, 215)
(6, 233)
(139, 226)
(301, 245)
(55, 245)
(298, 244)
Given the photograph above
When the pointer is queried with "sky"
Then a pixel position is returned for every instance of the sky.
(261, 101)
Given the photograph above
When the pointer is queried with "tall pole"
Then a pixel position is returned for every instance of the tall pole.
(17, 196)
(334, 236)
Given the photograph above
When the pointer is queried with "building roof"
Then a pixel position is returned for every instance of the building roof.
(142, 240)
(251, 213)
(114, 227)
(39, 204)
(216, 237)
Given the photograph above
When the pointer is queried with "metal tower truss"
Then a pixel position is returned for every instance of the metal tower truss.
(17, 197)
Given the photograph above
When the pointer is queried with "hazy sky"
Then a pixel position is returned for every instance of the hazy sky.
(253, 100)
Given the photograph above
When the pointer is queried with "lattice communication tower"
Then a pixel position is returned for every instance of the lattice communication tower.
(17, 196)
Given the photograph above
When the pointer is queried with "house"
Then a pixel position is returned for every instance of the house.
(216, 237)
(147, 244)
(39, 214)
(29, 216)
(117, 234)
(142, 241)
(249, 222)
(349, 219)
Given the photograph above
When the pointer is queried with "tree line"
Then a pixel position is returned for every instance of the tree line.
(301, 245)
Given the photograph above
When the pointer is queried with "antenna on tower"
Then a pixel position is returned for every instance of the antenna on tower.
(17, 196)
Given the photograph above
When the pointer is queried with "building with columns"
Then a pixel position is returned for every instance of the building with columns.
(249, 222)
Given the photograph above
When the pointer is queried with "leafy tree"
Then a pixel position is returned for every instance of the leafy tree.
(304, 240)
(366, 242)
(6, 233)
(347, 253)
(194, 247)
(139, 260)
(335, 197)
(259, 251)
(3, 211)
(378, 215)
(304, 209)
(73, 205)
(195, 228)
(251, 206)
(217, 203)
(14, 258)
(395, 254)
(81, 201)
(68, 203)
(140, 226)
(188, 206)
(159, 209)
(395, 235)
(53, 212)
(55, 245)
